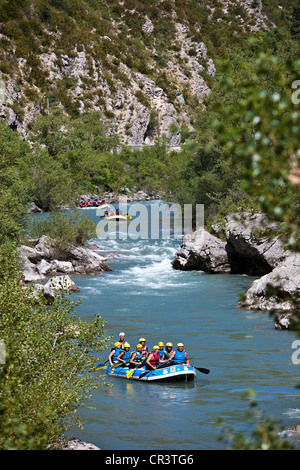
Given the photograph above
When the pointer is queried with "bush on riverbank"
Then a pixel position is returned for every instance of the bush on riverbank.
(47, 375)
(71, 228)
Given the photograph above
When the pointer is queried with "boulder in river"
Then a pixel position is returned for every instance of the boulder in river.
(78, 444)
(40, 260)
(34, 209)
(61, 283)
(202, 251)
(246, 250)
(283, 282)
(249, 251)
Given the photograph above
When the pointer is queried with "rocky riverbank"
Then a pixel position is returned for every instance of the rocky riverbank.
(76, 444)
(242, 250)
(39, 262)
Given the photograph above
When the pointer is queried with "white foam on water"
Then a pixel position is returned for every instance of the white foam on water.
(293, 413)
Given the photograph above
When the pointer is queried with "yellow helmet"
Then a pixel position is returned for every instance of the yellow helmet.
(139, 346)
(126, 345)
(169, 344)
(142, 339)
(160, 343)
(155, 347)
(179, 344)
(116, 344)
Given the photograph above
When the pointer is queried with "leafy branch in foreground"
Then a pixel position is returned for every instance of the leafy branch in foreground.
(265, 433)
(50, 354)
(261, 129)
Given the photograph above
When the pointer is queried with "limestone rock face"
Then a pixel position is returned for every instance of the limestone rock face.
(202, 251)
(246, 251)
(250, 249)
(78, 444)
(38, 261)
(286, 281)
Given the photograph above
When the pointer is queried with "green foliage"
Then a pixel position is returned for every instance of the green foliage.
(13, 191)
(261, 130)
(49, 358)
(265, 434)
(72, 228)
(85, 25)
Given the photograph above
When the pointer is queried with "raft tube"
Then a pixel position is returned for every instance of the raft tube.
(116, 217)
(182, 372)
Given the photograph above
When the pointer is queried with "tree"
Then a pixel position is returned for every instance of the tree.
(265, 434)
(50, 354)
(262, 130)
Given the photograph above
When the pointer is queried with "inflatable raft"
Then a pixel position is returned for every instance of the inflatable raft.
(116, 217)
(182, 372)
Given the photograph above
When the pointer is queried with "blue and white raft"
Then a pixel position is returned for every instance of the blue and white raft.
(178, 372)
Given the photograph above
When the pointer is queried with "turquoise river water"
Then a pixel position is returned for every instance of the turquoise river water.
(145, 296)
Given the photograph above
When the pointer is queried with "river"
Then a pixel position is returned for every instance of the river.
(144, 296)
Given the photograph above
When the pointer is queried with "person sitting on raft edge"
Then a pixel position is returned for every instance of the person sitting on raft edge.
(167, 352)
(142, 341)
(115, 351)
(153, 359)
(137, 356)
(125, 354)
(161, 349)
(180, 355)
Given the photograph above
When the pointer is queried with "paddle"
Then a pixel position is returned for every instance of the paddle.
(100, 366)
(201, 369)
(130, 372)
(123, 364)
(144, 373)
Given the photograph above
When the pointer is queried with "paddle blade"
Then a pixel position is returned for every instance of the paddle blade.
(99, 368)
(129, 373)
(101, 364)
(201, 369)
(144, 373)
(117, 365)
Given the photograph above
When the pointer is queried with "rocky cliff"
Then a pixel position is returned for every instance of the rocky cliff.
(245, 250)
(146, 66)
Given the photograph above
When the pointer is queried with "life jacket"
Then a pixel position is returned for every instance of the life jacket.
(145, 351)
(179, 357)
(115, 355)
(155, 359)
(138, 357)
(167, 355)
(126, 356)
(161, 353)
